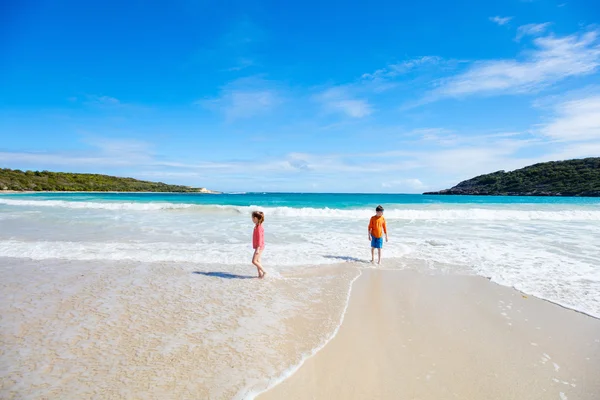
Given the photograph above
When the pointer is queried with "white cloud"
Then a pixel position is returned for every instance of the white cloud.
(120, 147)
(107, 103)
(500, 20)
(339, 100)
(105, 152)
(394, 70)
(554, 59)
(249, 103)
(47, 160)
(439, 136)
(577, 150)
(244, 98)
(413, 184)
(236, 104)
(167, 175)
(466, 161)
(531, 30)
(241, 63)
(105, 100)
(575, 120)
(100, 101)
(208, 165)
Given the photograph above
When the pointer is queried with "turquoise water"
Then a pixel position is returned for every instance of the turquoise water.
(314, 200)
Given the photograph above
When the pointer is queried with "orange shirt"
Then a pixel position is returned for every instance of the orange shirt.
(376, 225)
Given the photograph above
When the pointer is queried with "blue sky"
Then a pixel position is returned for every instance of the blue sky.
(278, 96)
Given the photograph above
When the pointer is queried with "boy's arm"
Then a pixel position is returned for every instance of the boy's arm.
(385, 230)
(370, 228)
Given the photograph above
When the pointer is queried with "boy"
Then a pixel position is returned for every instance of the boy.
(376, 226)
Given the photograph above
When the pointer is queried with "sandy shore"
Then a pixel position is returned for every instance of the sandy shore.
(412, 336)
(123, 330)
(97, 330)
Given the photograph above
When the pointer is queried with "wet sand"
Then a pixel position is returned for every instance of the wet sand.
(107, 330)
(412, 336)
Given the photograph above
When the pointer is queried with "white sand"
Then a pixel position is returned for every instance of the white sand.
(74, 330)
(412, 336)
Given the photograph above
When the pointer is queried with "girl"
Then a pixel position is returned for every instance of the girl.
(258, 241)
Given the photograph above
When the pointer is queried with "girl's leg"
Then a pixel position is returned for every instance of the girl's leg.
(257, 263)
(262, 272)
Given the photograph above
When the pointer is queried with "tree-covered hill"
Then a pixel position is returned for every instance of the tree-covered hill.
(579, 177)
(63, 181)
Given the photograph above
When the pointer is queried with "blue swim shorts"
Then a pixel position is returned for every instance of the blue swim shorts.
(377, 242)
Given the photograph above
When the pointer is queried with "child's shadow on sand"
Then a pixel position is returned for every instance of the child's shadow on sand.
(224, 275)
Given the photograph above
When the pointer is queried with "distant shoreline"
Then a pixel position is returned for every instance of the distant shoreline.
(205, 191)
(17, 181)
(449, 192)
(570, 178)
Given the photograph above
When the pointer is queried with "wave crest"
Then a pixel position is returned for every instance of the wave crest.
(446, 214)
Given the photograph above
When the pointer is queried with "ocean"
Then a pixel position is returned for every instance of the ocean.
(188, 257)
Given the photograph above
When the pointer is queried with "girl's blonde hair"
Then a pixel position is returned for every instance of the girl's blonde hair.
(259, 215)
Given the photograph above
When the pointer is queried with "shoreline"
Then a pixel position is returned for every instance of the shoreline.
(291, 370)
(409, 335)
(441, 193)
(206, 191)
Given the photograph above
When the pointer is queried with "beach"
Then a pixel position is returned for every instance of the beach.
(156, 331)
(146, 331)
(414, 336)
(153, 296)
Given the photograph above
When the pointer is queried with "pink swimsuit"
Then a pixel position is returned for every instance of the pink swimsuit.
(258, 237)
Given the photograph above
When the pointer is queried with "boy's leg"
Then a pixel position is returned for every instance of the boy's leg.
(379, 255)
(372, 254)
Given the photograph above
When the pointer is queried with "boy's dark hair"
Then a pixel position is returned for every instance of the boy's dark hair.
(379, 208)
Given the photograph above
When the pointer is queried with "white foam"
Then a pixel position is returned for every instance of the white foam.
(251, 394)
(440, 215)
(214, 253)
(95, 205)
(446, 214)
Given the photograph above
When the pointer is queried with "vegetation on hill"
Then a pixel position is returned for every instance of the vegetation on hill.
(62, 181)
(579, 177)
